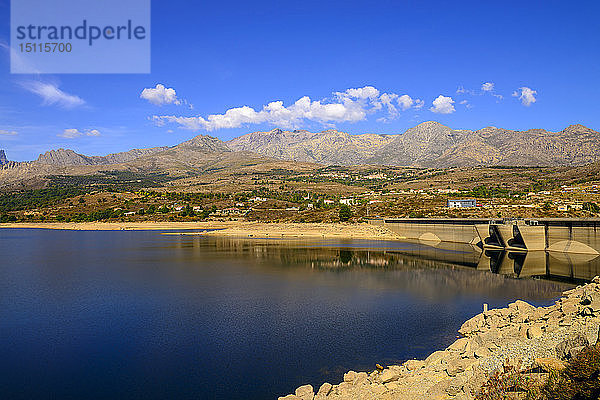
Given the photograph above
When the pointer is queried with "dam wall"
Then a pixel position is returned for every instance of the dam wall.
(440, 230)
(581, 236)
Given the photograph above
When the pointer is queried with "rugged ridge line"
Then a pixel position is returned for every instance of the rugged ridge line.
(65, 157)
(431, 145)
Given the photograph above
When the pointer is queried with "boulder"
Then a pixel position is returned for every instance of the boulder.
(534, 332)
(595, 305)
(377, 389)
(350, 376)
(563, 349)
(435, 357)
(459, 345)
(438, 391)
(586, 298)
(524, 307)
(472, 325)
(569, 306)
(389, 375)
(305, 392)
(456, 386)
(457, 365)
(412, 365)
(289, 397)
(324, 390)
(539, 313)
(482, 352)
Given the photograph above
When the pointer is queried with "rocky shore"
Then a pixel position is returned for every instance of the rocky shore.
(532, 339)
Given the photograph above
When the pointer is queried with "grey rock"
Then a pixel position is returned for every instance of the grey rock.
(324, 390)
(412, 365)
(350, 376)
(305, 392)
(389, 375)
(563, 349)
(458, 365)
(534, 332)
(435, 357)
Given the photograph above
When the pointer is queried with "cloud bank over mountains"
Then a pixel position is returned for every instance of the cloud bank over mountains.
(349, 106)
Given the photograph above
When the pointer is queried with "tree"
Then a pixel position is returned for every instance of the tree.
(591, 207)
(345, 213)
(189, 211)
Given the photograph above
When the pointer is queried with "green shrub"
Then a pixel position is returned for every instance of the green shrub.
(345, 213)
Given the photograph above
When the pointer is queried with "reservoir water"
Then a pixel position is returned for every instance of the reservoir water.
(141, 315)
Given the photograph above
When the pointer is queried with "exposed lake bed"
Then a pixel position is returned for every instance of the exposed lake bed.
(136, 314)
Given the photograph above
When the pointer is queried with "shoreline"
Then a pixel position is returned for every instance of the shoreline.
(256, 230)
(520, 336)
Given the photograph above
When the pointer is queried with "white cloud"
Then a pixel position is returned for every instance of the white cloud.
(160, 95)
(73, 133)
(443, 105)
(352, 105)
(367, 92)
(488, 87)
(462, 90)
(405, 102)
(527, 95)
(7, 133)
(52, 95)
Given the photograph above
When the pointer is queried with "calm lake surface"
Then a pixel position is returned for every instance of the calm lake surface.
(140, 315)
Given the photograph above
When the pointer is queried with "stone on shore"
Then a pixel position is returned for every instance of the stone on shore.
(305, 392)
(389, 375)
(324, 390)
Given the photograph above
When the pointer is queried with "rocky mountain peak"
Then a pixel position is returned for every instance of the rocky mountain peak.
(577, 129)
(430, 125)
(3, 159)
(204, 143)
(63, 157)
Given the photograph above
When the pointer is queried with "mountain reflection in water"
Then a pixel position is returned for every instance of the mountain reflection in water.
(326, 254)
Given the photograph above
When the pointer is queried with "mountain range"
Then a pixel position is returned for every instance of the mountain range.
(429, 144)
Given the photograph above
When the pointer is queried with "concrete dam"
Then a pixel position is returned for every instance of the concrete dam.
(554, 248)
(579, 236)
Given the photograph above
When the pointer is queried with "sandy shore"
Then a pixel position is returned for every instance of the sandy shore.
(233, 229)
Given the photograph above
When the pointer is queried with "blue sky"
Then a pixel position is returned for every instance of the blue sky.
(257, 65)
